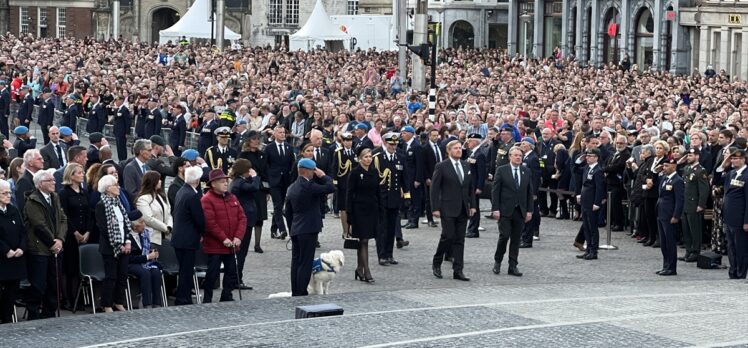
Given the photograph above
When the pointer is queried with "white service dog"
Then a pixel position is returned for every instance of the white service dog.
(323, 272)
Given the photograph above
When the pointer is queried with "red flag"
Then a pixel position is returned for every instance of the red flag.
(612, 29)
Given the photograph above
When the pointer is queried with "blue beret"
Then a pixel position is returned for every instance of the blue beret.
(362, 126)
(409, 129)
(242, 122)
(529, 140)
(134, 215)
(66, 131)
(21, 130)
(190, 154)
(307, 164)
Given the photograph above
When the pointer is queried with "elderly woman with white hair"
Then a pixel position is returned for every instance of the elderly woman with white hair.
(114, 227)
(12, 249)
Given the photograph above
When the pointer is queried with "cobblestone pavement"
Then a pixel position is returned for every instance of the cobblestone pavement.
(560, 301)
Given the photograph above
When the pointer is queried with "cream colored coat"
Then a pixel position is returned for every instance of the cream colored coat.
(157, 217)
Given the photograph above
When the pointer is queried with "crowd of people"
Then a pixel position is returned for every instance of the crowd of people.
(540, 138)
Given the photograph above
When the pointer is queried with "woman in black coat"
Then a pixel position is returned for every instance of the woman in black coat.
(563, 175)
(363, 205)
(251, 151)
(244, 184)
(74, 202)
(12, 248)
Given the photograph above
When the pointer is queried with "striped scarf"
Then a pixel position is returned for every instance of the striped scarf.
(116, 239)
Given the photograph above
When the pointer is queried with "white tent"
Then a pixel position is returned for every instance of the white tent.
(318, 30)
(194, 24)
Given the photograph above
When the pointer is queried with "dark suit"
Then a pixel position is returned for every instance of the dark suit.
(46, 117)
(613, 170)
(279, 178)
(547, 158)
(696, 192)
(513, 202)
(97, 119)
(304, 224)
(189, 226)
(4, 112)
(25, 184)
(26, 110)
(453, 200)
(432, 154)
(153, 121)
(669, 205)
(50, 155)
(179, 135)
(133, 175)
(735, 215)
(592, 192)
(70, 117)
(122, 123)
(477, 160)
(207, 138)
(532, 162)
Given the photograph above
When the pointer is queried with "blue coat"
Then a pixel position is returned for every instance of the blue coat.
(244, 190)
(592, 190)
(302, 211)
(189, 221)
(122, 121)
(735, 211)
(97, 118)
(670, 201)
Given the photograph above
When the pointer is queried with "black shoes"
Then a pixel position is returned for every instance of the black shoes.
(410, 226)
(278, 235)
(514, 271)
(525, 245)
(437, 270)
(591, 257)
(667, 273)
(318, 245)
(579, 246)
(392, 261)
(383, 262)
(433, 224)
(692, 258)
(472, 235)
(258, 249)
(402, 243)
(496, 268)
(244, 286)
(581, 256)
(459, 276)
(656, 244)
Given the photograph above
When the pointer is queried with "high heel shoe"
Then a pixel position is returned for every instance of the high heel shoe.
(358, 276)
(369, 280)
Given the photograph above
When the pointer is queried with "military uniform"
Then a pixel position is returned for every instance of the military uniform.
(696, 193)
(207, 139)
(502, 155)
(669, 205)
(220, 158)
(70, 117)
(344, 160)
(735, 216)
(391, 180)
(153, 121)
(476, 159)
(140, 120)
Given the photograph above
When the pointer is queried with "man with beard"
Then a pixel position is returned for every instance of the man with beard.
(613, 170)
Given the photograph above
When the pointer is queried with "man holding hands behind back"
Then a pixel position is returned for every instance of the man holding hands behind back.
(452, 200)
(512, 206)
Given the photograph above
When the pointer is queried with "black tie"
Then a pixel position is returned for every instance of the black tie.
(59, 155)
(459, 171)
(437, 153)
(316, 155)
(516, 178)
(280, 150)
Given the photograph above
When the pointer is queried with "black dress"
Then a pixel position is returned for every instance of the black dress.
(76, 208)
(363, 202)
(260, 165)
(12, 236)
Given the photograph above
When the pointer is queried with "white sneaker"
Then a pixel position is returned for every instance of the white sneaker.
(535, 238)
(424, 221)
(481, 229)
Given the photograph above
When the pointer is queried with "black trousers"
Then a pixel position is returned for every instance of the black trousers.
(427, 199)
(590, 220)
(386, 234)
(121, 147)
(452, 240)
(45, 132)
(543, 196)
(617, 194)
(692, 229)
(474, 221)
(416, 205)
(150, 283)
(8, 296)
(42, 299)
(737, 251)
(302, 256)
(4, 129)
(533, 226)
(115, 280)
(668, 244)
(186, 258)
(241, 254)
(214, 271)
(510, 230)
(278, 195)
(649, 219)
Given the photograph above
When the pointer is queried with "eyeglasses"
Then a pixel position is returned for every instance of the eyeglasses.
(48, 180)
(5, 193)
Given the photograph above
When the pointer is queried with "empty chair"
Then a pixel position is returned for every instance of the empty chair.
(92, 269)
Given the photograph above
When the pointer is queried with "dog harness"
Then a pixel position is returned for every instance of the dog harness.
(318, 267)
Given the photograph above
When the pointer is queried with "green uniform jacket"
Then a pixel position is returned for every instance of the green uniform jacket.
(38, 220)
(696, 188)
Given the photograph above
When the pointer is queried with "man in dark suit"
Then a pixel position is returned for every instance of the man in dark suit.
(73, 111)
(433, 154)
(305, 221)
(280, 159)
(613, 170)
(413, 174)
(239, 136)
(54, 152)
(4, 109)
(512, 205)
(27, 107)
(122, 121)
(669, 212)
(133, 172)
(735, 215)
(590, 195)
(97, 141)
(532, 162)
(476, 158)
(46, 113)
(547, 158)
(97, 117)
(189, 226)
(153, 119)
(452, 200)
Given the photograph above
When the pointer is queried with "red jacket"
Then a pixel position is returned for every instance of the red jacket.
(224, 218)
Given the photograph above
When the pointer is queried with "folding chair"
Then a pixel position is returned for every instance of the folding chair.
(91, 269)
(201, 268)
(167, 257)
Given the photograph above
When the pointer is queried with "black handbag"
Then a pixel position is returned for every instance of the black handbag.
(351, 243)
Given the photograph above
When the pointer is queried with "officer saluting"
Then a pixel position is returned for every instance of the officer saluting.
(153, 119)
(735, 215)
(221, 156)
(389, 164)
(343, 161)
(206, 129)
(696, 193)
(669, 211)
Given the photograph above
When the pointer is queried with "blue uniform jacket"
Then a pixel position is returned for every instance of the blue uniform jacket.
(302, 211)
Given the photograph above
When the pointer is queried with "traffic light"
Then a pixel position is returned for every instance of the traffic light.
(423, 51)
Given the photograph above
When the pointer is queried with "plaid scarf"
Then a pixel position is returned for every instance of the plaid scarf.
(116, 239)
(145, 242)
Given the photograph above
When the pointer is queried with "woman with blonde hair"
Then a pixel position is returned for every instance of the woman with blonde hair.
(74, 202)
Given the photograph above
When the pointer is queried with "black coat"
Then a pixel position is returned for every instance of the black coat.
(97, 119)
(12, 237)
(448, 196)
(47, 113)
(25, 184)
(364, 202)
(245, 189)
(122, 121)
(505, 194)
(615, 166)
(76, 208)
(178, 134)
(260, 165)
(189, 220)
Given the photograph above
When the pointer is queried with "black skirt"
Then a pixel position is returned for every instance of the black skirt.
(261, 203)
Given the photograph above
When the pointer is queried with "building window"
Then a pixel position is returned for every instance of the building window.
(42, 17)
(23, 20)
(275, 12)
(292, 12)
(61, 22)
(352, 7)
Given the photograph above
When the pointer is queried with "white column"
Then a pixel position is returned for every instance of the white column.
(657, 44)
(512, 28)
(724, 50)
(537, 34)
(402, 32)
(220, 26)
(595, 36)
(704, 49)
(565, 15)
(744, 55)
(623, 45)
(115, 19)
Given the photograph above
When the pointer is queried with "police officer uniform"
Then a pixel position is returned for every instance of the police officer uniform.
(669, 207)
(391, 180)
(219, 157)
(696, 193)
(227, 118)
